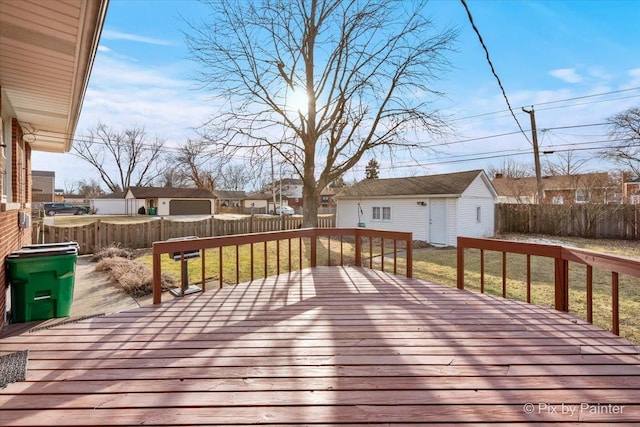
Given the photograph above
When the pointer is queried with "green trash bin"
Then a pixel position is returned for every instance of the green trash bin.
(153, 210)
(41, 282)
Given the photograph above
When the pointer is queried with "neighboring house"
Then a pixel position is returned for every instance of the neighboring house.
(559, 190)
(291, 189)
(326, 200)
(59, 195)
(262, 202)
(170, 200)
(46, 53)
(77, 199)
(229, 201)
(112, 204)
(42, 188)
(630, 189)
(435, 208)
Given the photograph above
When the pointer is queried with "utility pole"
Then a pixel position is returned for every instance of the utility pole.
(536, 153)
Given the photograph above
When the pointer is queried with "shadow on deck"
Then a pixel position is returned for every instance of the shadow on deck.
(326, 345)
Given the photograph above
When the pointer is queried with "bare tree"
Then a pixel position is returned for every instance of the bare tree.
(90, 188)
(565, 163)
(511, 169)
(624, 131)
(194, 164)
(122, 159)
(235, 177)
(172, 177)
(320, 82)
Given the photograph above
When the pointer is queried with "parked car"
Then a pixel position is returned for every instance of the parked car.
(51, 209)
(284, 210)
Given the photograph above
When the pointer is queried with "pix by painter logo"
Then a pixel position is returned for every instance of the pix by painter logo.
(572, 409)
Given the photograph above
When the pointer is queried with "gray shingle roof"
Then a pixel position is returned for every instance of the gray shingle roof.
(448, 183)
(230, 194)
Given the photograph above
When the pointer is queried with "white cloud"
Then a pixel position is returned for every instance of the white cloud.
(123, 95)
(118, 35)
(635, 77)
(568, 75)
(104, 49)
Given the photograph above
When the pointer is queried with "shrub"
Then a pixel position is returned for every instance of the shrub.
(132, 276)
(113, 251)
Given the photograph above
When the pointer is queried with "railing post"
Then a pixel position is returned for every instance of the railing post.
(460, 264)
(157, 272)
(314, 248)
(409, 258)
(561, 284)
(615, 303)
(358, 249)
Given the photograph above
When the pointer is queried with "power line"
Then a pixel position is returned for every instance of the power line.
(559, 101)
(486, 51)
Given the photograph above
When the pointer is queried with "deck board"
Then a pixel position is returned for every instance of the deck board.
(325, 346)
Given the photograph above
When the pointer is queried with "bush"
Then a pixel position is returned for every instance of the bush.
(113, 251)
(132, 276)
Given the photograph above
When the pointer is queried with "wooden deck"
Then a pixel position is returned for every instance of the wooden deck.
(329, 345)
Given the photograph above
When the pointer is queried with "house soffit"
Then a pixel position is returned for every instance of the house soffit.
(47, 49)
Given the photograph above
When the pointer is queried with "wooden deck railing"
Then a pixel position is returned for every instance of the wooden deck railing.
(562, 257)
(375, 238)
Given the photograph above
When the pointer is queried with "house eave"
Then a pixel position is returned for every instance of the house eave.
(400, 196)
(57, 42)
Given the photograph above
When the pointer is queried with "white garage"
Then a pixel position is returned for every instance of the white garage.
(435, 208)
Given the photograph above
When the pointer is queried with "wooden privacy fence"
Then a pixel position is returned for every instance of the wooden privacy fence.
(581, 220)
(141, 235)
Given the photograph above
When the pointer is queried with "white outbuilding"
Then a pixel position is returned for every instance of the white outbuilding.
(435, 208)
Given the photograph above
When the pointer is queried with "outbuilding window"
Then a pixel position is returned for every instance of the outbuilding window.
(381, 213)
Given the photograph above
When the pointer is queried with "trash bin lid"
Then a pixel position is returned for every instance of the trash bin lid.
(44, 252)
(51, 245)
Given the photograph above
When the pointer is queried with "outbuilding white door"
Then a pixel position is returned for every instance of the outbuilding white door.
(438, 222)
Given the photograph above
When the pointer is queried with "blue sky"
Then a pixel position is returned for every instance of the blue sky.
(545, 52)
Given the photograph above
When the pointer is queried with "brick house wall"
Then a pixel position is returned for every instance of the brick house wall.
(13, 236)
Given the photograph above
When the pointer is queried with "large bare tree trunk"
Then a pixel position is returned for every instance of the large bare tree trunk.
(363, 67)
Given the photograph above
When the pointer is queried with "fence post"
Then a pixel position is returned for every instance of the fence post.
(97, 235)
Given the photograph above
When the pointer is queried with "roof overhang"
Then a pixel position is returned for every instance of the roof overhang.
(47, 49)
(400, 196)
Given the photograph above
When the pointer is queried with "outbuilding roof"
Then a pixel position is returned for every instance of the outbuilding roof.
(443, 184)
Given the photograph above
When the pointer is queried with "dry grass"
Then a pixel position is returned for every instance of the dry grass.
(113, 252)
(132, 276)
(77, 220)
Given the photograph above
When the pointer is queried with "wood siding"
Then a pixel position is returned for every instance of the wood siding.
(476, 195)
